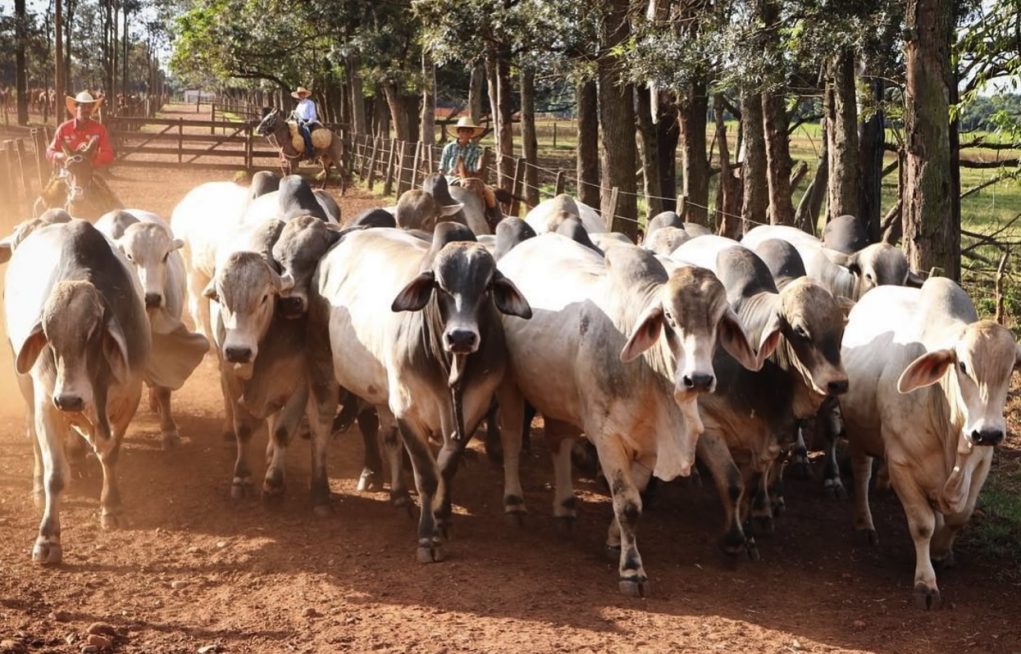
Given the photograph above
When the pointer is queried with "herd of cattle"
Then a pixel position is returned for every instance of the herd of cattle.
(424, 319)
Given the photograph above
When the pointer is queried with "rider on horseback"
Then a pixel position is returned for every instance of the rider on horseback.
(305, 115)
(461, 161)
(76, 134)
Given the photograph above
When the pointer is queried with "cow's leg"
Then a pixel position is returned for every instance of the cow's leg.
(321, 409)
(828, 429)
(921, 525)
(512, 405)
(51, 431)
(245, 427)
(228, 406)
(393, 450)
(715, 455)
(198, 305)
(448, 461)
(168, 427)
(799, 452)
(861, 464)
(494, 448)
(947, 528)
(627, 509)
(371, 478)
(560, 437)
(428, 482)
(282, 428)
(761, 513)
(108, 452)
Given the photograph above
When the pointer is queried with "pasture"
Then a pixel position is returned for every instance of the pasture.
(194, 570)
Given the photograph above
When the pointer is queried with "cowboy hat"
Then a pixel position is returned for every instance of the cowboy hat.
(82, 98)
(466, 123)
(298, 91)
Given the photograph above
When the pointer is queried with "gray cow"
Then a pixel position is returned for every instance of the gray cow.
(77, 326)
(418, 338)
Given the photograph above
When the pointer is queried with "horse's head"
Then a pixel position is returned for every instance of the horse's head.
(77, 169)
(269, 123)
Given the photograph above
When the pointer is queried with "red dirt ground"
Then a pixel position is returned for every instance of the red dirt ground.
(193, 568)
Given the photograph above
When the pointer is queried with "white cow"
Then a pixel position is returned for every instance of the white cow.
(928, 383)
(547, 215)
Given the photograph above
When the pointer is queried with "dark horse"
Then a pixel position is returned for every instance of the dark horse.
(76, 188)
(274, 127)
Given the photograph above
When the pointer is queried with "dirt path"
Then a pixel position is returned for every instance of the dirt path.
(194, 568)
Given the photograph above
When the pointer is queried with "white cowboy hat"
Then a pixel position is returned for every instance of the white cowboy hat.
(466, 123)
(82, 98)
(297, 94)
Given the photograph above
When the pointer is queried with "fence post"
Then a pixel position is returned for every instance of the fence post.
(414, 166)
(374, 162)
(388, 180)
(12, 171)
(682, 205)
(212, 118)
(180, 140)
(554, 136)
(198, 99)
(558, 186)
(608, 219)
(1000, 313)
(39, 138)
(249, 162)
(402, 167)
(367, 161)
(519, 173)
(487, 161)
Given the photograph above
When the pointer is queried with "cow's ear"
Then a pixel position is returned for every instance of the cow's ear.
(926, 370)
(30, 349)
(6, 248)
(176, 244)
(451, 209)
(731, 336)
(209, 292)
(645, 334)
(770, 339)
(414, 296)
(853, 264)
(913, 279)
(115, 350)
(508, 298)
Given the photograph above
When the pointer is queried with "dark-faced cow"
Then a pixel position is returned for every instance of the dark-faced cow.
(928, 386)
(418, 210)
(263, 182)
(632, 349)
(420, 340)
(76, 323)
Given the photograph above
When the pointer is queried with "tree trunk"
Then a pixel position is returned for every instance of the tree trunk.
(505, 146)
(755, 200)
(107, 49)
(931, 230)
(478, 78)
(68, 29)
(694, 105)
(871, 134)
(843, 187)
(124, 59)
(807, 216)
(356, 95)
(778, 157)
(617, 126)
(668, 134)
(398, 114)
(588, 143)
(428, 127)
(728, 194)
(649, 149)
(529, 142)
(21, 76)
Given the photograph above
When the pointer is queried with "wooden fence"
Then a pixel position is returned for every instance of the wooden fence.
(23, 171)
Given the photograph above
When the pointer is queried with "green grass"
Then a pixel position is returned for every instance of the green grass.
(995, 530)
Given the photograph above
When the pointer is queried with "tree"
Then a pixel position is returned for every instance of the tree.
(20, 27)
(842, 137)
(617, 125)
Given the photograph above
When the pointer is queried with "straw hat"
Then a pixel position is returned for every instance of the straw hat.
(82, 98)
(301, 92)
(466, 122)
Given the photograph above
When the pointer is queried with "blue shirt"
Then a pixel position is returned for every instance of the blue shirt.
(471, 152)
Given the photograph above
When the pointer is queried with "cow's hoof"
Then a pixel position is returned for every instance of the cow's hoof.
(272, 489)
(565, 525)
(835, 489)
(927, 598)
(866, 537)
(400, 499)
(634, 586)
(171, 440)
(110, 521)
(369, 481)
(241, 488)
(47, 552)
(430, 553)
(322, 510)
(39, 498)
(753, 550)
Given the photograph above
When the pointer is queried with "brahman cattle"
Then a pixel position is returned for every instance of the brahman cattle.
(417, 209)
(76, 324)
(617, 349)
(928, 387)
(548, 214)
(414, 331)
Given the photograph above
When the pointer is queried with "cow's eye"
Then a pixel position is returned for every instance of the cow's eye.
(669, 318)
(128, 255)
(166, 256)
(870, 278)
(964, 368)
(801, 332)
(265, 298)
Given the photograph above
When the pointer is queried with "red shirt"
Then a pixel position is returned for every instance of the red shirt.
(74, 133)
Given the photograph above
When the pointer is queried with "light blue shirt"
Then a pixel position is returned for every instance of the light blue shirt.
(306, 110)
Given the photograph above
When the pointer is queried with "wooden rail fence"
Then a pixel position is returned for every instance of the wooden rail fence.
(23, 171)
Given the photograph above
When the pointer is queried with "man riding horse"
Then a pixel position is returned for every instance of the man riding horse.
(461, 162)
(80, 147)
(305, 115)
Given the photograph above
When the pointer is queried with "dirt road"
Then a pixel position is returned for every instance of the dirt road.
(193, 568)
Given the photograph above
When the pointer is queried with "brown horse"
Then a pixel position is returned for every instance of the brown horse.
(76, 188)
(274, 128)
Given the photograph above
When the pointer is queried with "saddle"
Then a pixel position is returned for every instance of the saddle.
(321, 137)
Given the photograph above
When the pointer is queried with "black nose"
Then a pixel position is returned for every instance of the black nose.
(837, 387)
(153, 300)
(698, 382)
(461, 341)
(987, 437)
(238, 354)
(68, 402)
(291, 306)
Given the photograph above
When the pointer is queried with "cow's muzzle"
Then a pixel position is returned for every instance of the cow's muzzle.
(698, 382)
(987, 437)
(238, 354)
(153, 300)
(69, 402)
(461, 341)
(838, 387)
